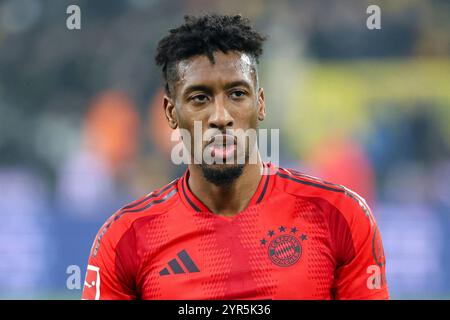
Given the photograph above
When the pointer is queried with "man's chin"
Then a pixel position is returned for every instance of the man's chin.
(222, 174)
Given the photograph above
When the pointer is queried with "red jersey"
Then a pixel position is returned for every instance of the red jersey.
(298, 238)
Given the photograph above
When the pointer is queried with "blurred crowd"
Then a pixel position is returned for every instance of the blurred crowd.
(82, 129)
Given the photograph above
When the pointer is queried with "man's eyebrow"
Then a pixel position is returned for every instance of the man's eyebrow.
(208, 89)
(237, 84)
(197, 87)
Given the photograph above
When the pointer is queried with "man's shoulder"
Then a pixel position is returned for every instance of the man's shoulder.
(318, 191)
(154, 204)
(300, 184)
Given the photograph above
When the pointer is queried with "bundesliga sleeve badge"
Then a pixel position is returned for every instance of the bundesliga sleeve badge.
(92, 282)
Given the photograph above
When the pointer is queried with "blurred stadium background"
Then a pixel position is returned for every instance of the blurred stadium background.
(82, 130)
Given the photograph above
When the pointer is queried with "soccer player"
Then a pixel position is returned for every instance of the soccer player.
(233, 230)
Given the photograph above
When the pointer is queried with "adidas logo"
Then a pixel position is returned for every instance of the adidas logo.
(176, 268)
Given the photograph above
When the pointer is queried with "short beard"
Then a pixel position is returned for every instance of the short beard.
(222, 177)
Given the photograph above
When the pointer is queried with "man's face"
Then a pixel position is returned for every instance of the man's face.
(220, 96)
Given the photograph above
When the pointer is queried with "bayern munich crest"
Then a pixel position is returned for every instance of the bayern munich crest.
(285, 246)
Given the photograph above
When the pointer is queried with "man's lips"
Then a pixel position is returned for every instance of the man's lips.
(222, 146)
(223, 152)
(222, 139)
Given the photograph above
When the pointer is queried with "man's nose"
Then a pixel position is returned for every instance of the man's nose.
(220, 117)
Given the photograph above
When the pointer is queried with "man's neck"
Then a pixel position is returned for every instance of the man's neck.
(226, 200)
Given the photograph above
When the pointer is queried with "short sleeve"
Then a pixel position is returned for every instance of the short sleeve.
(109, 272)
(362, 271)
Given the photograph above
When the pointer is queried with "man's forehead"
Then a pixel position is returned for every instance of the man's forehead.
(231, 63)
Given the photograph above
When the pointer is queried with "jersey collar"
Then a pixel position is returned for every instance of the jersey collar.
(261, 194)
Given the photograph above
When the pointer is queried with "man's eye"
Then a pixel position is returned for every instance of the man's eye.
(200, 98)
(237, 94)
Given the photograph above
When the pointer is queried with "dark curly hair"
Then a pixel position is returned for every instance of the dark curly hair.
(203, 36)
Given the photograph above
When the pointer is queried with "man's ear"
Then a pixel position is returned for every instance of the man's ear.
(169, 110)
(261, 105)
